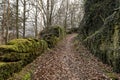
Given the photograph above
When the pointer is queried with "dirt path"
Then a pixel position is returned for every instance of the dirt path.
(65, 63)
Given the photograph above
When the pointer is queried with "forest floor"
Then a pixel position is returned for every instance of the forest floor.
(65, 62)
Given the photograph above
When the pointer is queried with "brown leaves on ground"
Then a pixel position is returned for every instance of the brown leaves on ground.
(64, 62)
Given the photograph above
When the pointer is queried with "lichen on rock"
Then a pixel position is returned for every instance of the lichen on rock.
(100, 30)
(52, 35)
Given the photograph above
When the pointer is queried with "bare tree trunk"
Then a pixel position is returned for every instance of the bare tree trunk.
(51, 12)
(24, 18)
(44, 13)
(48, 13)
(17, 26)
(7, 23)
(36, 20)
(71, 20)
(72, 16)
(66, 14)
(4, 22)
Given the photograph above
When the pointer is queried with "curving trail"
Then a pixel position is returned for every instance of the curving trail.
(65, 63)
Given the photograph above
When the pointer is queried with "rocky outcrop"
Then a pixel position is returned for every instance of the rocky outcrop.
(100, 30)
(17, 53)
(52, 35)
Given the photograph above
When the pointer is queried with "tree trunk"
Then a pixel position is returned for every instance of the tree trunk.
(47, 13)
(51, 12)
(66, 14)
(36, 15)
(24, 18)
(17, 26)
(7, 23)
(4, 23)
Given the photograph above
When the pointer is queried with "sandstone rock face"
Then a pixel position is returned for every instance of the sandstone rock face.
(100, 30)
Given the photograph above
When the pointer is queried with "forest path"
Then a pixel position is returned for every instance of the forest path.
(65, 63)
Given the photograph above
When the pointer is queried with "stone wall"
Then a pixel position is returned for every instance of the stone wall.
(100, 30)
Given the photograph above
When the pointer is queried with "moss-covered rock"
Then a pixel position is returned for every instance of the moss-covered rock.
(7, 69)
(96, 11)
(43, 45)
(21, 46)
(18, 53)
(100, 30)
(52, 35)
(7, 49)
(13, 57)
(27, 76)
(112, 76)
(16, 45)
(72, 30)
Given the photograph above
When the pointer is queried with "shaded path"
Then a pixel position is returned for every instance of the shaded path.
(65, 63)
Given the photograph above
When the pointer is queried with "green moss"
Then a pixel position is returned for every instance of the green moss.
(7, 48)
(116, 39)
(61, 31)
(112, 76)
(23, 45)
(2, 63)
(27, 76)
(20, 52)
(18, 41)
(20, 45)
(52, 41)
(8, 69)
(52, 35)
(13, 57)
(43, 45)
